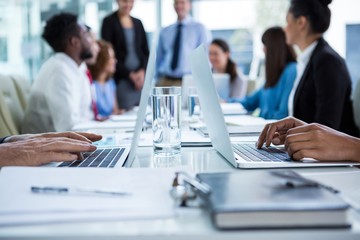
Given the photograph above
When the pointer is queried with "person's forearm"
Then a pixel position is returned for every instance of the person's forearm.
(354, 153)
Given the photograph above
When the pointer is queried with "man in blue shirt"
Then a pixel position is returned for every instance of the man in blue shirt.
(176, 43)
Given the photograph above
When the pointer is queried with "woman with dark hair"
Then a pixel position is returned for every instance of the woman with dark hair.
(322, 89)
(219, 54)
(104, 84)
(280, 73)
(128, 37)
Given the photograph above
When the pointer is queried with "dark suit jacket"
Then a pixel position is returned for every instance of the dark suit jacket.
(323, 93)
(113, 32)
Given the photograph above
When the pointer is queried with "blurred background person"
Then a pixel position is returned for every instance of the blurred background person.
(90, 62)
(104, 85)
(280, 73)
(322, 88)
(61, 96)
(128, 37)
(176, 43)
(219, 55)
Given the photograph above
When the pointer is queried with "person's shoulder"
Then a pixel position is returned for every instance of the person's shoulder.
(111, 82)
(54, 63)
(62, 61)
(136, 20)
(324, 53)
(167, 28)
(196, 24)
(110, 17)
(58, 66)
(290, 67)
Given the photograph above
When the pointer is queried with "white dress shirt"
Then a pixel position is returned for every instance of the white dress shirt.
(60, 97)
(302, 61)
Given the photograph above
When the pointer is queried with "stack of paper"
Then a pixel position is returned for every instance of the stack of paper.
(246, 120)
(232, 109)
(147, 195)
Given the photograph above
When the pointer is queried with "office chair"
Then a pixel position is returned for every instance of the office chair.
(23, 87)
(11, 109)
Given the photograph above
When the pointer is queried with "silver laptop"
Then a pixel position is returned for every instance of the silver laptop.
(221, 81)
(121, 156)
(241, 155)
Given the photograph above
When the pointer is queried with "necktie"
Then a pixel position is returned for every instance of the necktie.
(175, 59)
(93, 103)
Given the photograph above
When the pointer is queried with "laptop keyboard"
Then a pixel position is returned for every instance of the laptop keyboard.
(250, 153)
(104, 158)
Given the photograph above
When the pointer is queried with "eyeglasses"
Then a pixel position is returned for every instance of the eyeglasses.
(185, 190)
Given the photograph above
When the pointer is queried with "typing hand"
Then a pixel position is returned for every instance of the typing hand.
(83, 136)
(321, 143)
(276, 132)
(41, 150)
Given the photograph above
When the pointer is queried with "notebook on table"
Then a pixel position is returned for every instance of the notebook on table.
(120, 156)
(265, 199)
(241, 155)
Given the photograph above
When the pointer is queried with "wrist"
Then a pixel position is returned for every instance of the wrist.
(354, 150)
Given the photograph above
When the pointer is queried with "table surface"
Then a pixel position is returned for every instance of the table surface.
(192, 223)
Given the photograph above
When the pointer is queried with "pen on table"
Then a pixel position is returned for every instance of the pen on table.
(67, 190)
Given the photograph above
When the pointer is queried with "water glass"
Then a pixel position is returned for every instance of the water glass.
(166, 107)
(193, 102)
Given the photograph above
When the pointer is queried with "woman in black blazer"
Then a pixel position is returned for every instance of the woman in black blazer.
(128, 37)
(322, 93)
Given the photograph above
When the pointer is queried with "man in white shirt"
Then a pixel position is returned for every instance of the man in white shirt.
(61, 96)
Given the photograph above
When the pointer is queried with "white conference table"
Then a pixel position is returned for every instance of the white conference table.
(191, 223)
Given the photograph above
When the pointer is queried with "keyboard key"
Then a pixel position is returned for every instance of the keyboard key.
(99, 158)
(251, 153)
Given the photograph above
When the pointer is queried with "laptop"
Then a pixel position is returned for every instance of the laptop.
(115, 157)
(240, 155)
(221, 81)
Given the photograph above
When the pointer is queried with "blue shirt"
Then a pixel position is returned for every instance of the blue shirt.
(193, 35)
(272, 101)
(105, 97)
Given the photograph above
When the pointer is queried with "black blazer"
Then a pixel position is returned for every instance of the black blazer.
(323, 93)
(113, 32)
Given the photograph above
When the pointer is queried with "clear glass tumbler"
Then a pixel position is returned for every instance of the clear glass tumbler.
(166, 107)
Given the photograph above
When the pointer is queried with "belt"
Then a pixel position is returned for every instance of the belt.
(173, 78)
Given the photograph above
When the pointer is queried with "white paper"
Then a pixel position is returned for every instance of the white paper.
(246, 120)
(108, 124)
(149, 194)
(232, 108)
(123, 117)
(193, 138)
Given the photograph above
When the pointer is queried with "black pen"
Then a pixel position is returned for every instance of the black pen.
(77, 191)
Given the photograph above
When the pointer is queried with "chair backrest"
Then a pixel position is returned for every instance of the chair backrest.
(11, 100)
(23, 88)
(7, 126)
